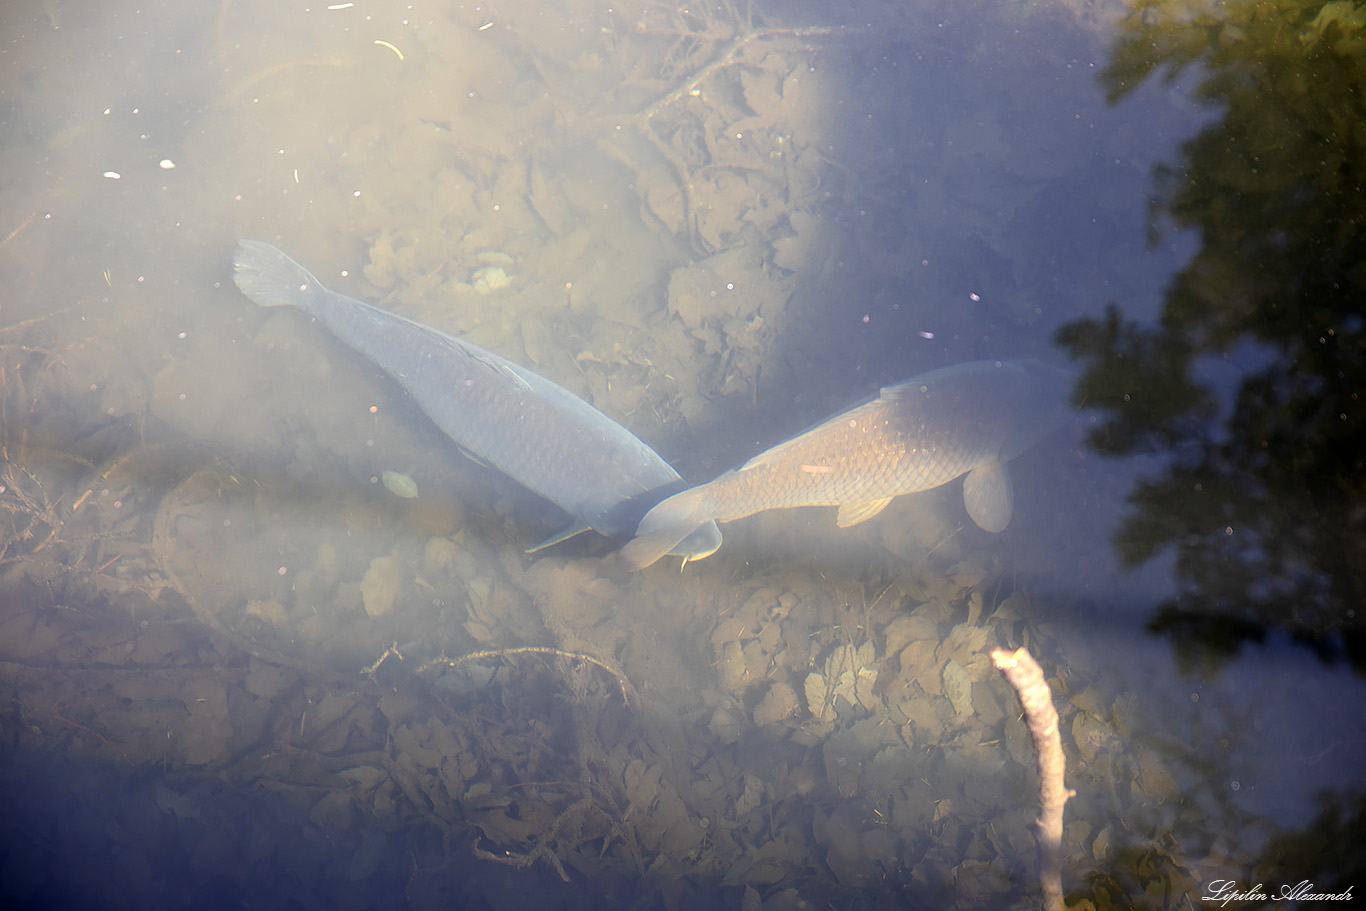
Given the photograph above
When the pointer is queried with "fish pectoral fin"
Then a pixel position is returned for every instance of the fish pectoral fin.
(854, 513)
(988, 496)
(563, 534)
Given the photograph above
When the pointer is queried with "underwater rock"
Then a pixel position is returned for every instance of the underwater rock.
(399, 484)
(380, 587)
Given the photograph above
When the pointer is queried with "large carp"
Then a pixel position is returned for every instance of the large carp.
(919, 434)
(504, 415)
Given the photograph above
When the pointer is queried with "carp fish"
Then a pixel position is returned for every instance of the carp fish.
(966, 419)
(501, 414)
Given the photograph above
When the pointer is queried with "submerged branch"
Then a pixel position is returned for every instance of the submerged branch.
(627, 691)
(1026, 676)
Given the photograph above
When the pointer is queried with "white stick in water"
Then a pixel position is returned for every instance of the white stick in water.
(1026, 676)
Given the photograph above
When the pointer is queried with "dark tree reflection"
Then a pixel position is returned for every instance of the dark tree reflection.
(1262, 501)
(1329, 853)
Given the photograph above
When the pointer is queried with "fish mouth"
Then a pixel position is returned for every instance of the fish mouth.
(701, 543)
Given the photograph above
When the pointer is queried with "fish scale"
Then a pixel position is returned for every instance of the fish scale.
(862, 455)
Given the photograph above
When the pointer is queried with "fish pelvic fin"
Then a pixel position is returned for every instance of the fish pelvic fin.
(988, 496)
(269, 277)
(666, 526)
(854, 513)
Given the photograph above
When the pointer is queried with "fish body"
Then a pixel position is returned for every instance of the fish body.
(500, 413)
(919, 434)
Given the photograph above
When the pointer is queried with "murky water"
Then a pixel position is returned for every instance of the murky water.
(243, 672)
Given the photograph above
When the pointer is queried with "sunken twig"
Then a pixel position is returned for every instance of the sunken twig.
(1026, 676)
(627, 691)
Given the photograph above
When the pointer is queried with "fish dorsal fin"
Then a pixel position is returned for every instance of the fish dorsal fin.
(501, 366)
(902, 391)
(854, 513)
(988, 496)
(775, 455)
(515, 375)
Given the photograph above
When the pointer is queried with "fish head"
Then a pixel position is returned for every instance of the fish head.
(702, 543)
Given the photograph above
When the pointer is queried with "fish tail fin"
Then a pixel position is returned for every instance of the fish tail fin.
(665, 526)
(270, 278)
